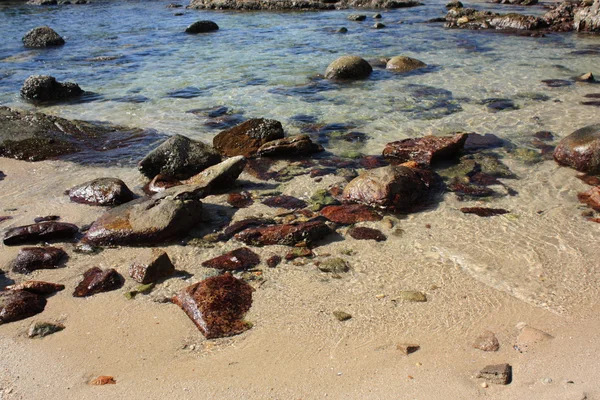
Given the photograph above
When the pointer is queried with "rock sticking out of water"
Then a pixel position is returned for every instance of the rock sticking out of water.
(42, 36)
(19, 304)
(151, 266)
(348, 68)
(101, 192)
(500, 374)
(30, 259)
(357, 17)
(487, 341)
(37, 287)
(41, 232)
(426, 150)
(581, 150)
(404, 64)
(217, 305)
(239, 259)
(246, 138)
(484, 211)
(45, 88)
(202, 27)
(288, 235)
(362, 233)
(96, 280)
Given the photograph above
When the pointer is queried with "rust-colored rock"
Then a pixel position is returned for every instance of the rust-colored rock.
(287, 202)
(350, 213)
(19, 304)
(466, 189)
(591, 197)
(103, 380)
(96, 280)
(273, 261)
(589, 179)
(217, 305)
(42, 232)
(581, 150)
(101, 192)
(151, 266)
(37, 287)
(244, 224)
(238, 259)
(362, 233)
(484, 211)
(246, 138)
(288, 235)
(426, 150)
(298, 145)
(31, 258)
(240, 200)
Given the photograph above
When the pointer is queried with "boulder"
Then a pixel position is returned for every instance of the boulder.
(30, 259)
(178, 157)
(239, 259)
(96, 280)
(426, 150)
(217, 305)
(587, 19)
(348, 67)
(101, 192)
(202, 27)
(404, 64)
(46, 88)
(151, 266)
(357, 17)
(297, 145)
(581, 150)
(19, 304)
(41, 232)
(42, 36)
(288, 235)
(246, 138)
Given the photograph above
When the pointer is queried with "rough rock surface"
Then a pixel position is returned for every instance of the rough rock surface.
(37, 287)
(46, 88)
(202, 27)
(101, 192)
(178, 157)
(426, 150)
(32, 258)
(42, 329)
(221, 175)
(217, 305)
(19, 304)
(348, 67)
(581, 150)
(287, 202)
(42, 36)
(151, 266)
(469, 18)
(44, 231)
(298, 145)
(299, 5)
(363, 233)
(350, 213)
(288, 235)
(238, 259)
(96, 280)
(246, 138)
(587, 19)
(487, 341)
(404, 64)
(500, 374)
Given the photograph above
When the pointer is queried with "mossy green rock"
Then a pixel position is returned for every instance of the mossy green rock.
(334, 265)
(320, 199)
(527, 156)
(41, 329)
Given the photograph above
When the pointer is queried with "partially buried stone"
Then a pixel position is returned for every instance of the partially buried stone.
(487, 341)
(44, 231)
(334, 265)
(42, 329)
(239, 259)
(362, 233)
(287, 202)
(407, 349)
(484, 211)
(288, 235)
(412, 295)
(202, 27)
(46, 218)
(101, 192)
(96, 280)
(19, 304)
(273, 261)
(244, 224)
(426, 150)
(42, 36)
(342, 316)
(298, 252)
(500, 374)
(31, 258)
(247, 138)
(217, 305)
(350, 213)
(37, 287)
(151, 266)
(103, 380)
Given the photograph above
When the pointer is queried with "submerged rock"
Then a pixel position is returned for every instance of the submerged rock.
(287, 202)
(19, 304)
(37, 287)
(484, 211)
(41, 232)
(45, 88)
(101, 192)
(581, 150)
(426, 150)
(238, 259)
(350, 213)
(348, 67)
(404, 64)
(288, 235)
(333, 265)
(151, 266)
(292, 146)
(362, 233)
(202, 27)
(247, 138)
(30, 259)
(217, 305)
(96, 280)
(42, 36)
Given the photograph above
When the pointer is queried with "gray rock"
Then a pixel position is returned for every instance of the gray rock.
(454, 4)
(587, 19)
(46, 88)
(342, 316)
(221, 175)
(202, 27)
(404, 64)
(42, 36)
(101, 192)
(357, 17)
(348, 67)
(412, 295)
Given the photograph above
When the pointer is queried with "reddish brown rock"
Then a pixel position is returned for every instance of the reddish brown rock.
(37, 287)
(581, 150)
(19, 304)
(288, 235)
(465, 189)
(589, 179)
(287, 202)
(42, 232)
(298, 252)
(484, 211)
(240, 200)
(350, 214)
(5, 217)
(362, 233)
(591, 197)
(273, 261)
(426, 150)
(96, 280)
(243, 225)
(103, 380)
(246, 138)
(151, 266)
(238, 259)
(298, 145)
(370, 162)
(31, 258)
(101, 192)
(217, 305)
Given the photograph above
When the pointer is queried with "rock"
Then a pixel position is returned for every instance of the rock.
(219, 176)
(377, 16)
(333, 265)
(244, 224)
(238, 259)
(42, 329)
(404, 64)
(101, 192)
(468, 18)
(298, 252)
(217, 305)
(46, 218)
(341, 316)
(273, 261)
(529, 337)
(320, 199)
(287, 202)
(378, 25)
(407, 349)
(486, 342)
(96, 280)
(37, 287)
(357, 17)
(151, 266)
(160, 183)
(362, 233)
(496, 105)
(587, 19)
(587, 77)
(554, 83)
(148, 220)
(19, 304)
(412, 295)
(30, 259)
(178, 157)
(348, 67)
(45, 88)
(103, 380)
(42, 36)
(500, 374)
(247, 138)
(342, 30)
(426, 150)
(291, 146)
(591, 197)
(202, 27)
(391, 187)
(476, 141)
(240, 200)
(288, 235)
(350, 213)
(41, 232)
(581, 150)
(484, 211)
(454, 4)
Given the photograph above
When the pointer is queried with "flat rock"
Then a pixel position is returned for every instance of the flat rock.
(348, 68)
(101, 192)
(151, 266)
(217, 305)
(41, 232)
(581, 150)
(219, 176)
(46, 88)
(484, 211)
(42, 36)
(362, 233)
(37, 287)
(529, 337)
(42, 329)
(426, 150)
(244, 224)
(32, 258)
(96, 280)
(487, 341)
(287, 202)
(291, 146)
(247, 138)
(19, 304)
(500, 374)
(238, 259)
(288, 235)
(350, 213)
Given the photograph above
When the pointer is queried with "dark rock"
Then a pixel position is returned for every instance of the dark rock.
(240, 200)
(151, 266)
(342, 30)
(486, 342)
(341, 316)
(426, 150)
(581, 150)
(357, 17)
(288, 235)
(37, 287)
(42, 36)
(46, 218)
(217, 305)
(96, 280)
(202, 27)
(476, 141)
(500, 374)
(484, 211)
(348, 67)
(239, 259)
(404, 64)
(219, 176)
(557, 82)
(5, 217)
(350, 214)
(179, 157)
(362, 233)
(244, 224)
(298, 252)
(378, 25)
(587, 77)
(101, 192)
(517, 2)
(496, 105)
(174, 5)
(32, 258)
(246, 138)
(377, 16)
(287, 202)
(544, 135)
(594, 103)
(42, 329)
(298, 145)
(454, 4)
(465, 189)
(18, 304)
(42, 232)
(273, 261)
(45, 88)
(43, 2)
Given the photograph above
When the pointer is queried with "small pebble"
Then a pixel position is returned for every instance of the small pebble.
(547, 381)
(484, 385)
